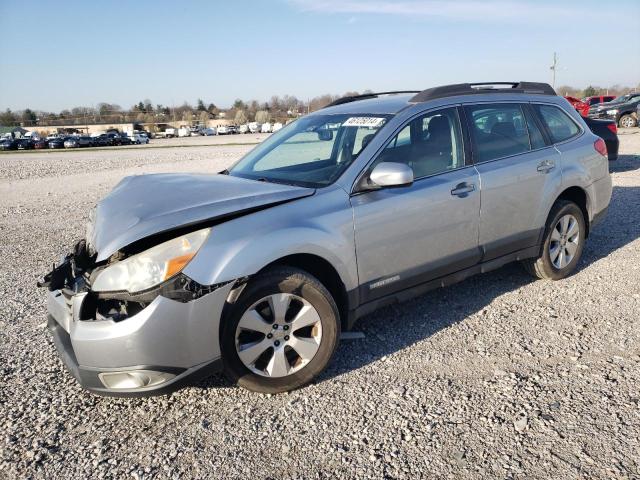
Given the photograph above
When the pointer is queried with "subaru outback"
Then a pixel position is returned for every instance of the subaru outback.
(369, 201)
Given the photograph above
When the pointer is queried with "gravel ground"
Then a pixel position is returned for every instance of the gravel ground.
(498, 376)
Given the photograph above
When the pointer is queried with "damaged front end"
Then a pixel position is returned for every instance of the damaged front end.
(132, 343)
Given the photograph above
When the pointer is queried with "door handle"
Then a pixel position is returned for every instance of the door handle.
(546, 166)
(463, 189)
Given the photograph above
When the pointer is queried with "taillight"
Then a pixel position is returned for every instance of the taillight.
(613, 127)
(600, 147)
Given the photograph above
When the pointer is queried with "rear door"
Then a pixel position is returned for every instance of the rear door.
(519, 170)
(412, 234)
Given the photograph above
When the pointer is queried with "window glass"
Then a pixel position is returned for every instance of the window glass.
(312, 151)
(560, 125)
(430, 144)
(535, 135)
(497, 131)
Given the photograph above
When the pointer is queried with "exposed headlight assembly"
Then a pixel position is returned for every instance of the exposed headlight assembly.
(612, 112)
(151, 267)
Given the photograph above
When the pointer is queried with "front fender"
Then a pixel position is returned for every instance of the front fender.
(320, 225)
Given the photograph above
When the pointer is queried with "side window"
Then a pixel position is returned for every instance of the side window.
(497, 130)
(429, 144)
(560, 125)
(535, 135)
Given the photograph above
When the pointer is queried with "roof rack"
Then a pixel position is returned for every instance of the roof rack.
(364, 96)
(483, 87)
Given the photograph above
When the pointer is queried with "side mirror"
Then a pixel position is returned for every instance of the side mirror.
(391, 174)
(325, 134)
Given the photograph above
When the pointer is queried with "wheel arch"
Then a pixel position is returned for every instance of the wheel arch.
(580, 197)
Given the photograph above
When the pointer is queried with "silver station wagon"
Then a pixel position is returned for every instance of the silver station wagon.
(374, 199)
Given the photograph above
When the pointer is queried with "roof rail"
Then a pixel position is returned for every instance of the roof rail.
(364, 96)
(483, 87)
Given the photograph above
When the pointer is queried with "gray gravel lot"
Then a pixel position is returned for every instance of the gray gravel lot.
(498, 376)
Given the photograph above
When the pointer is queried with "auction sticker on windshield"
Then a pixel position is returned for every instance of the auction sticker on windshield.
(367, 122)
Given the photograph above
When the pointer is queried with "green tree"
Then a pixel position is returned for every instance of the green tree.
(29, 117)
(239, 104)
(589, 91)
(201, 107)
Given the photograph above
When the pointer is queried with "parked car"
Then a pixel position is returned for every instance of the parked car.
(72, 142)
(102, 140)
(243, 128)
(139, 138)
(266, 128)
(579, 105)
(57, 142)
(596, 99)
(222, 130)
(25, 144)
(40, 144)
(608, 131)
(8, 144)
(208, 132)
(254, 127)
(125, 140)
(276, 126)
(254, 270)
(86, 141)
(232, 129)
(622, 110)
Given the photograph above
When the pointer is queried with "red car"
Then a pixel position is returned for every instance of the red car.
(579, 105)
(598, 99)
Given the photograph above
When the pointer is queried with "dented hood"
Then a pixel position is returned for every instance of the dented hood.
(144, 205)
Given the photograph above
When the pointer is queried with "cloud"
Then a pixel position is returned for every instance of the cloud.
(465, 10)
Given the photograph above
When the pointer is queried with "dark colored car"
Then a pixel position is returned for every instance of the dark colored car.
(102, 140)
(608, 131)
(596, 99)
(86, 141)
(25, 144)
(114, 139)
(622, 110)
(58, 142)
(8, 144)
(40, 144)
(124, 140)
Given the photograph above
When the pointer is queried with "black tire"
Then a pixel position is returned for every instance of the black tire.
(542, 267)
(627, 121)
(273, 281)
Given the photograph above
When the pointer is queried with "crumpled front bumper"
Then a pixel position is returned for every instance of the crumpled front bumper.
(172, 341)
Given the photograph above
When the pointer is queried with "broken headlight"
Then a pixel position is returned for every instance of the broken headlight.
(151, 267)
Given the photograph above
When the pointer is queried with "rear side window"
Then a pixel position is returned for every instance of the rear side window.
(498, 130)
(561, 127)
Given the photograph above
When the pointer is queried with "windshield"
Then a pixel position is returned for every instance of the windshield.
(313, 151)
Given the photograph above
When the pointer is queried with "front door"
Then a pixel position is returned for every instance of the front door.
(409, 235)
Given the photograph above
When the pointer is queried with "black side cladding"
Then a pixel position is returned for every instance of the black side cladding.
(73, 266)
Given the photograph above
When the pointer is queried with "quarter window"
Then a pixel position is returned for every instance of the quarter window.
(560, 125)
(498, 130)
(429, 144)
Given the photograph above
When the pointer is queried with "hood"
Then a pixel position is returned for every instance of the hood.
(144, 205)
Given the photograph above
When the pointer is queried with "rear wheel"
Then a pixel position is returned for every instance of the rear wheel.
(281, 333)
(564, 239)
(627, 121)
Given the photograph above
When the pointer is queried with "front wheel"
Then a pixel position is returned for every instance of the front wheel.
(564, 238)
(281, 333)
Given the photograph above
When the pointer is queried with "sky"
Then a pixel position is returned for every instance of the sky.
(58, 55)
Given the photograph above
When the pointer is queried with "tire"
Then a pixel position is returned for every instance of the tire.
(561, 250)
(627, 121)
(290, 290)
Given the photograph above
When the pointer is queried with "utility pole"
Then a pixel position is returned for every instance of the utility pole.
(553, 68)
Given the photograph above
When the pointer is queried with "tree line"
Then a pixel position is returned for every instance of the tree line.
(276, 109)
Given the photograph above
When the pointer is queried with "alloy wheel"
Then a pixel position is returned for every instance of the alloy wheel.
(565, 239)
(278, 335)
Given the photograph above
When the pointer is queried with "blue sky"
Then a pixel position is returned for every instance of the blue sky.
(62, 54)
